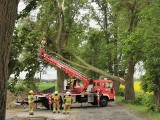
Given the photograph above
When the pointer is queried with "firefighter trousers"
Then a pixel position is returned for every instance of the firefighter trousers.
(66, 108)
(31, 108)
(56, 107)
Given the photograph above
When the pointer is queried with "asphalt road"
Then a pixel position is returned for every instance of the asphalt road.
(78, 112)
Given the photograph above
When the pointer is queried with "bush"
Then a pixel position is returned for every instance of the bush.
(19, 89)
(146, 100)
(121, 92)
(150, 103)
(139, 99)
(16, 89)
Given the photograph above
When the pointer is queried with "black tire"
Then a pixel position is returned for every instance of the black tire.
(103, 102)
(45, 103)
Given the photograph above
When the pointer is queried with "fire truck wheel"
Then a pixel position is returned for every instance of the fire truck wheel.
(103, 102)
(45, 103)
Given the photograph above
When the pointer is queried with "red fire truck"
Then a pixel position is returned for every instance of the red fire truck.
(82, 88)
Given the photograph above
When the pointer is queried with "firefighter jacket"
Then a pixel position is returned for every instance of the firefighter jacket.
(68, 100)
(56, 99)
(30, 99)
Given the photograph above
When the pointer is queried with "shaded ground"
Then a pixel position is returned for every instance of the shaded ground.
(78, 112)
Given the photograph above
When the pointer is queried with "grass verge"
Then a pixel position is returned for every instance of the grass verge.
(142, 110)
(43, 86)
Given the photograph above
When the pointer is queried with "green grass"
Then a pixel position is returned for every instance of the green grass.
(142, 110)
(42, 86)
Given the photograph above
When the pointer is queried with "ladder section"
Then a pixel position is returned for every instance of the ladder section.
(69, 66)
(72, 72)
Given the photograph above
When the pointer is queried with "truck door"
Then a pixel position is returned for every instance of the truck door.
(109, 89)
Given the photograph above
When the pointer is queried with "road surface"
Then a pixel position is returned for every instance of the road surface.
(78, 112)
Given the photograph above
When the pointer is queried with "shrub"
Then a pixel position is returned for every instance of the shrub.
(148, 100)
(139, 99)
(121, 92)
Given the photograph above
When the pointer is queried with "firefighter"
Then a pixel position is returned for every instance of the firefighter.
(43, 42)
(56, 100)
(31, 102)
(67, 103)
(49, 97)
(72, 84)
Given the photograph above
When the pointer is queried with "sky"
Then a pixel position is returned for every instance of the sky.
(21, 6)
(51, 73)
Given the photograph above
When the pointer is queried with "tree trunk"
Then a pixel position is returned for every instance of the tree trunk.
(129, 83)
(116, 87)
(59, 45)
(157, 97)
(129, 86)
(60, 80)
(116, 84)
(8, 12)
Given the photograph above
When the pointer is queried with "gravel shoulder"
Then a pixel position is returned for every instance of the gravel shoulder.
(78, 112)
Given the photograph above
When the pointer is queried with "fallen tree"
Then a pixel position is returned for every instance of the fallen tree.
(87, 66)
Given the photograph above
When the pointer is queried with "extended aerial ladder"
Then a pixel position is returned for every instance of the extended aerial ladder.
(70, 71)
(100, 92)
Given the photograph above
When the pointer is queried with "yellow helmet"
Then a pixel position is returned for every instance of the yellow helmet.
(31, 92)
(56, 92)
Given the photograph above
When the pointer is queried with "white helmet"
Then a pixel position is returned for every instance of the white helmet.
(67, 93)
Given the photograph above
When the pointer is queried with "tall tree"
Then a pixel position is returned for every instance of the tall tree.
(8, 14)
(127, 21)
(151, 35)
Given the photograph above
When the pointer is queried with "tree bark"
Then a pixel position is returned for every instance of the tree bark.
(8, 12)
(115, 71)
(129, 83)
(60, 80)
(157, 97)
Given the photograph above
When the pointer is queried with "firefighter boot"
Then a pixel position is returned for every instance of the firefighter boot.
(31, 113)
(67, 112)
(54, 110)
(64, 112)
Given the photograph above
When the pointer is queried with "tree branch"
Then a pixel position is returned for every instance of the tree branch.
(62, 58)
(89, 67)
